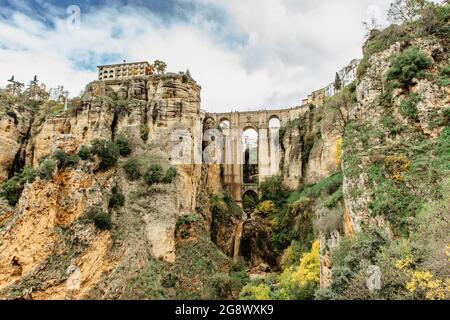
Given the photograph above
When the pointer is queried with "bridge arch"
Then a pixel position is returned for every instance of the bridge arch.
(250, 199)
(267, 153)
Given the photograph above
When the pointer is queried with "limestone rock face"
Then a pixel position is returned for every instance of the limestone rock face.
(310, 149)
(369, 111)
(14, 129)
(322, 161)
(148, 111)
(256, 243)
(292, 161)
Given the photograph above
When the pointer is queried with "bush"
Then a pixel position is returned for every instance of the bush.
(408, 106)
(28, 174)
(63, 160)
(117, 199)
(85, 153)
(101, 219)
(123, 144)
(107, 151)
(11, 190)
(446, 114)
(154, 175)
(47, 169)
(187, 219)
(408, 65)
(13, 115)
(260, 292)
(170, 175)
(291, 255)
(273, 189)
(132, 169)
(145, 131)
(225, 287)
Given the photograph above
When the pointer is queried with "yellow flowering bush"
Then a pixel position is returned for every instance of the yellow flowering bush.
(309, 269)
(397, 166)
(266, 208)
(423, 282)
(260, 292)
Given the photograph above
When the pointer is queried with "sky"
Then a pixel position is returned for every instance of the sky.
(245, 54)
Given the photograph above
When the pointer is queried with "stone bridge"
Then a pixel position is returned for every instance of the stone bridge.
(233, 125)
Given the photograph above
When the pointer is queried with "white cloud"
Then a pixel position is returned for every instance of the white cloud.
(293, 48)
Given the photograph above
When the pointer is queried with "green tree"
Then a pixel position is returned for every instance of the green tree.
(154, 175)
(132, 169)
(170, 175)
(124, 145)
(107, 151)
(405, 10)
(117, 199)
(160, 66)
(101, 219)
(408, 65)
(47, 169)
(337, 82)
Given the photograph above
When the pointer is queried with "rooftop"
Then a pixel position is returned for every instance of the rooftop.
(123, 64)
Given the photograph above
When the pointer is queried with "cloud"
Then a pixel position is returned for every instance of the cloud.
(245, 54)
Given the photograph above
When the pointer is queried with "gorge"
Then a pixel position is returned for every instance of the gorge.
(112, 198)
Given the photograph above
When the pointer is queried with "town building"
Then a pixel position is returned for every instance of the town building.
(123, 71)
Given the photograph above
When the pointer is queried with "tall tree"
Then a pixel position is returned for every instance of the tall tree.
(160, 66)
(337, 82)
(405, 10)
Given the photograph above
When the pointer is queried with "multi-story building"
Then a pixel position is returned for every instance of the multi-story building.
(347, 76)
(123, 71)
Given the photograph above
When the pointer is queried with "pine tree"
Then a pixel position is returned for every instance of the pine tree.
(337, 82)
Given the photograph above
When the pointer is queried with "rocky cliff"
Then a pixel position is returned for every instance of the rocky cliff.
(46, 232)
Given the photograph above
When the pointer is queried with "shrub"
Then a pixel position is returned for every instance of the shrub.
(117, 199)
(132, 169)
(446, 114)
(47, 169)
(101, 219)
(85, 153)
(408, 106)
(273, 189)
(435, 20)
(291, 255)
(225, 286)
(266, 208)
(170, 175)
(107, 151)
(145, 131)
(123, 144)
(28, 174)
(187, 219)
(408, 65)
(13, 115)
(154, 175)
(11, 190)
(260, 292)
(63, 160)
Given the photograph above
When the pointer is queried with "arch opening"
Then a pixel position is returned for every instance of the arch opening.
(250, 201)
(225, 124)
(250, 147)
(274, 122)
